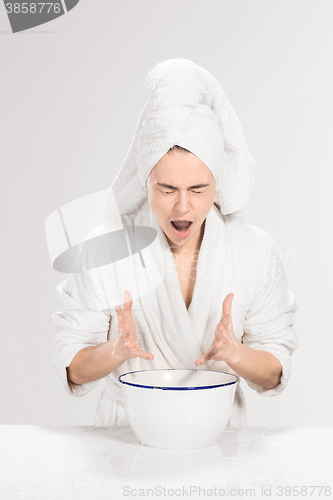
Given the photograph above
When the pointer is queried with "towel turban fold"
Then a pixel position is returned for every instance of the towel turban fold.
(186, 107)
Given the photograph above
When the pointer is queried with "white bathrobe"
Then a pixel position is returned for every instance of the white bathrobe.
(234, 257)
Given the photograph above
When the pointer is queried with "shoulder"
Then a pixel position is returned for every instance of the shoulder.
(91, 251)
(244, 235)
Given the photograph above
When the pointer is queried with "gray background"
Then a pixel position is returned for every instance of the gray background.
(71, 93)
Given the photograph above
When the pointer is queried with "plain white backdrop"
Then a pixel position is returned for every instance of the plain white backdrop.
(71, 93)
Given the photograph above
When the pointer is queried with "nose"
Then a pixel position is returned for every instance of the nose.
(183, 204)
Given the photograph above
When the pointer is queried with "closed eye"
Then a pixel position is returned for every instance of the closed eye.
(171, 192)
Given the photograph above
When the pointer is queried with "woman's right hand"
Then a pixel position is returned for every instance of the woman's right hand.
(98, 361)
(125, 345)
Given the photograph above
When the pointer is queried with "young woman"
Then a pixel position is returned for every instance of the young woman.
(224, 302)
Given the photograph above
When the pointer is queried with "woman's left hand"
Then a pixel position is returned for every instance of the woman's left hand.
(225, 346)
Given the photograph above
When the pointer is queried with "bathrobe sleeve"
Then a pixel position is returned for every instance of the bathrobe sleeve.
(82, 322)
(269, 321)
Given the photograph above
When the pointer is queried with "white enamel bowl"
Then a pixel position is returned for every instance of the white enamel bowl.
(178, 409)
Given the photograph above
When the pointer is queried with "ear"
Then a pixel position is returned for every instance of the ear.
(217, 198)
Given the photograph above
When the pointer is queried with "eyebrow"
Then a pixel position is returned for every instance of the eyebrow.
(198, 186)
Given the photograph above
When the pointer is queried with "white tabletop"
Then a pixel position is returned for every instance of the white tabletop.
(88, 462)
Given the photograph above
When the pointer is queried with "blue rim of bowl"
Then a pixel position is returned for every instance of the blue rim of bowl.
(177, 388)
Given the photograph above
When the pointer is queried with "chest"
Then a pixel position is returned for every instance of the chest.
(187, 274)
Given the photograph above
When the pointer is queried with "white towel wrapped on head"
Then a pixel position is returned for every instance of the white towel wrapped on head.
(186, 107)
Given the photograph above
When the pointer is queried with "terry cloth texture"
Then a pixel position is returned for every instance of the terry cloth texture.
(234, 257)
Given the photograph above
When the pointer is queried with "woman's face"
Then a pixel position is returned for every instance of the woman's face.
(181, 188)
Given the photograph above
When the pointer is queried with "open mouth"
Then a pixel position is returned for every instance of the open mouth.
(181, 225)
